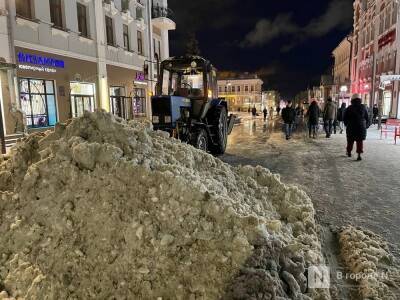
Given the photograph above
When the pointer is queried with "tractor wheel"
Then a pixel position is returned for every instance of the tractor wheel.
(219, 130)
(200, 140)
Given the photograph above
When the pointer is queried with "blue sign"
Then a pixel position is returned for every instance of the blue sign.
(40, 60)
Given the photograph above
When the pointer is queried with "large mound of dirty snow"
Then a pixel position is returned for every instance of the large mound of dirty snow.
(367, 256)
(103, 209)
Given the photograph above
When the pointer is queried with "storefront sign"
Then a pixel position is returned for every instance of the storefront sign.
(387, 38)
(41, 61)
(37, 68)
(140, 79)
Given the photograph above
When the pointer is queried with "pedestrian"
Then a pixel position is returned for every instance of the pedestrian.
(265, 112)
(329, 116)
(289, 117)
(340, 117)
(375, 111)
(254, 111)
(249, 110)
(313, 119)
(357, 121)
(278, 110)
(271, 113)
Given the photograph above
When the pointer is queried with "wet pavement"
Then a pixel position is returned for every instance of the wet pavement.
(344, 191)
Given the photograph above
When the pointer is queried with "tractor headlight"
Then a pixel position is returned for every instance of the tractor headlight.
(156, 119)
(168, 119)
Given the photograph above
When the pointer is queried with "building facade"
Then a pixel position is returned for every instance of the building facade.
(341, 71)
(375, 53)
(242, 92)
(66, 57)
(270, 99)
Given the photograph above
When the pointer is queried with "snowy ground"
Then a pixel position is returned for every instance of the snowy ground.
(343, 190)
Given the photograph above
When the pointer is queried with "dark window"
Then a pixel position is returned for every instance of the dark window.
(109, 31)
(82, 20)
(56, 13)
(24, 8)
(139, 102)
(125, 5)
(140, 42)
(38, 102)
(126, 37)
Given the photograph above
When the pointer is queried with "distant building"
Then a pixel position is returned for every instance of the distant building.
(341, 89)
(270, 99)
(242, 91)
(326, 87)
(376, 52)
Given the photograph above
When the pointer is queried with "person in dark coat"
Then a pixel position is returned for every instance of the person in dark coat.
(329, 115)
(265, 112)
(375, 111)
(340, 116)
(356, 120)
(278, 110)
(289, 117)
(313, 119)
(254, 112)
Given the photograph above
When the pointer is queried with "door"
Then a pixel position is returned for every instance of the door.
(80, 104)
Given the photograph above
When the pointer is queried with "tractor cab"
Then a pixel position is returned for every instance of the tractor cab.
(186, 103)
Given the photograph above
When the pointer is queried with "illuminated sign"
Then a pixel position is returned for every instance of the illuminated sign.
(45, 62)
(37, 68)
(140, 77)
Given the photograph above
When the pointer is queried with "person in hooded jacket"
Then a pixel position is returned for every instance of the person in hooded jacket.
(340, 116)
(289, 117)
(313, 119)
(356, 120)
(329, 115)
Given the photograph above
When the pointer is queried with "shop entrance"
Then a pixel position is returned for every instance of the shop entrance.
(80, 104)
(82, 98)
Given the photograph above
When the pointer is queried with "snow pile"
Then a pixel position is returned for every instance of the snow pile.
(103, 209)
(367, 257)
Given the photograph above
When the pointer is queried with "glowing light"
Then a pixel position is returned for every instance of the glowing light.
(344, 89)
(209, 93)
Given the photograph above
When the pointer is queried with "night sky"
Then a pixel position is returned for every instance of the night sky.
(287, 42)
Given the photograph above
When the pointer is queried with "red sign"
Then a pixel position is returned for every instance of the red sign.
(388, 38)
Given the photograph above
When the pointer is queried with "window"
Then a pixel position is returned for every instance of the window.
(125, 5)
(38, 102)
(24, 8)
(238, 88)
(387, 18)
(246, 88)
(126, 37)
(109, 31)
(56, 13)
(82, 20)
(381, 22)
(252, 88)
(226, 89)
(140, 42)
(395, 12)
(233, 89)
(139, 102)
(82, 98)
(220, 89)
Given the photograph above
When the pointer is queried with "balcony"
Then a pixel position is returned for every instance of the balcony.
(162, 18)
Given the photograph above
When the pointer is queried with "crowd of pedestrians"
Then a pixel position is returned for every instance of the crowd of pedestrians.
(355, 119)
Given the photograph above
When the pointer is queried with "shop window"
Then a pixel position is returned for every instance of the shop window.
(82, 98)
(387, 103)
(118, 102)
(82, 20)
(56, 13)
(140, 42)
(24, 8)
(38, 102)
(139, 102)
(127, 45)
(109, 31)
